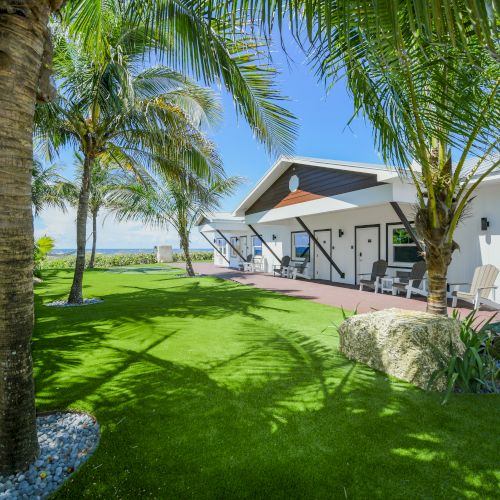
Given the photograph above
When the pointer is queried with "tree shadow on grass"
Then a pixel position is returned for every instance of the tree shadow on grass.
(316, 426)
(249, 406)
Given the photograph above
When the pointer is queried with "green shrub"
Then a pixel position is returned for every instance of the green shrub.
(195, 256)
(476, 371)
(126, 259)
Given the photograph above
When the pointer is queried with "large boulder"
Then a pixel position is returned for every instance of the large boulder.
(409, 345)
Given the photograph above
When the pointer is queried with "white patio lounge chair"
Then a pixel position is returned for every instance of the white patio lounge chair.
(283, 269)
(412, 282)
(299, 271)
(482, 284)
(248, 264)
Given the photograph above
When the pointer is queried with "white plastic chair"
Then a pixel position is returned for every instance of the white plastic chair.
(482, 284)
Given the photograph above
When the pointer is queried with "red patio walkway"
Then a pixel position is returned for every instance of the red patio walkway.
(338, 296)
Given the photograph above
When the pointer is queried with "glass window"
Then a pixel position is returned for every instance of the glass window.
(256, 246)
(220, 243)
(301, 246)
(400, 236)
(404, 250)
(234, 243)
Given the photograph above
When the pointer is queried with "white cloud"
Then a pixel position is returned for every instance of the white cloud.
(110, 234)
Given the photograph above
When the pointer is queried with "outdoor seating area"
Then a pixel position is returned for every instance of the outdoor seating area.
(410, 283)
(398, 281)
(349, 297)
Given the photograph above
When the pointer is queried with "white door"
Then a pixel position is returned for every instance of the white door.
(243, 246)
(322, 267)
(367, 249)
(221, 245)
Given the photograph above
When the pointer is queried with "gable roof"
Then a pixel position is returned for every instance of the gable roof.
(382, 173)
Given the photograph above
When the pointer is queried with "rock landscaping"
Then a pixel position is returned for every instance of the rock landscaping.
(63, 303)
(66, 441)
(409, 345)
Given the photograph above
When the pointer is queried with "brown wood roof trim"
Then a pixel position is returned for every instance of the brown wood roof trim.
(315, 183)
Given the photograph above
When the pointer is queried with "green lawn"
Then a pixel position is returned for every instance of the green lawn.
(209, 389)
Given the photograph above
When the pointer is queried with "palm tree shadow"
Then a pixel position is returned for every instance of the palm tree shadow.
(280, 414)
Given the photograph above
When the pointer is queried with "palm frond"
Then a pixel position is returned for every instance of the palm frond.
(187, 40)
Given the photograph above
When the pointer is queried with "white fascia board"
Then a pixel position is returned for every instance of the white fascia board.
(218, 217)
(224, 226)
(377, 195)
(383, 174)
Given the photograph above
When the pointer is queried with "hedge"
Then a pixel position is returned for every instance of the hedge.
(126, 259)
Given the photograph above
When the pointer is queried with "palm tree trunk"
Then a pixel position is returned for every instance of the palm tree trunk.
(94, 240)
(438, 258)
(23, 35)
(76, 293)
(184, 241)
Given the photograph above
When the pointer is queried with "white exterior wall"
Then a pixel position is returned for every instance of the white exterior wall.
(278, 246)
(478, 247)
(234, 261)
(343, 253)
(368, 207)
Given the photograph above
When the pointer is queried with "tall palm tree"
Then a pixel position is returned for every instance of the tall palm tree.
(114, 110)
(435, 112)
(48, 188)
(173, 203)
(104, 181)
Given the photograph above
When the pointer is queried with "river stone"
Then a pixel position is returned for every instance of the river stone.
(409, 345)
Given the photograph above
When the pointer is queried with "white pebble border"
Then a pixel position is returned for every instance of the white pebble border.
(66, 441)
(63, 303)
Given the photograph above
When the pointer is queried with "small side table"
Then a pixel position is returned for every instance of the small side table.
(386, 284)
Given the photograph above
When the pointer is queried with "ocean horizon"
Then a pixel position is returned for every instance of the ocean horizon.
(115, 251)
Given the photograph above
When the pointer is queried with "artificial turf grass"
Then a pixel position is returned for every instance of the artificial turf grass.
(209, 389)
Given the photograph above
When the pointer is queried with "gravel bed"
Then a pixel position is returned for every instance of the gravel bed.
(66, 441)
(63, 303)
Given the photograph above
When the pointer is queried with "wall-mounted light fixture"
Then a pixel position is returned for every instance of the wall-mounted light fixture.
(341, 233)
(237, 239)
(274, 237)
(485, 223)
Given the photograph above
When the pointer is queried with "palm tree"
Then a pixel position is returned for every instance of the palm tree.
(104, 181)
(114, 110)
(48, 188)
(173, 202)
(436, 113)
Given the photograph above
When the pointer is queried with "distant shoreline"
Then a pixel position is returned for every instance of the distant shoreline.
(59, 252)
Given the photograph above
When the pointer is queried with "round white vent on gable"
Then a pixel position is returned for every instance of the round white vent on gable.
(293, 183)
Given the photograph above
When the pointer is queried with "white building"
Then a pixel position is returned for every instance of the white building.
(340, 217)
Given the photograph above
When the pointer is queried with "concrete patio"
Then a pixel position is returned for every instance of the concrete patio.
(350, 298)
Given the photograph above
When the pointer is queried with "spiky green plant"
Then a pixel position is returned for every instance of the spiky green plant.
(42, 248)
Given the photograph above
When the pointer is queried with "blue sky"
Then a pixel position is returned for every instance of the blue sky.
(322, 133)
